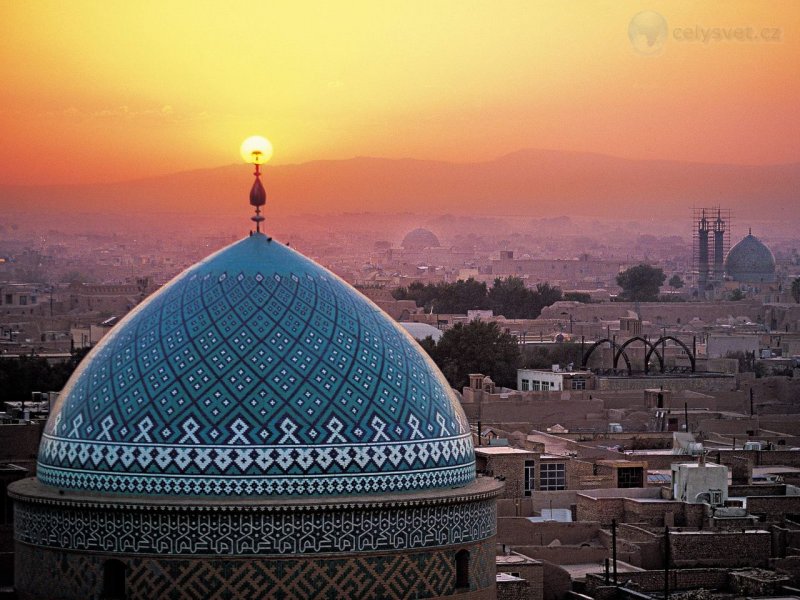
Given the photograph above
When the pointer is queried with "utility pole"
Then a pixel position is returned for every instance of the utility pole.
(686, 415)
(614, 548)
(666, 563)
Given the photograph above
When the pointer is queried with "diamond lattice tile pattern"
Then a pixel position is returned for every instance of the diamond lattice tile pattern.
(257, 372)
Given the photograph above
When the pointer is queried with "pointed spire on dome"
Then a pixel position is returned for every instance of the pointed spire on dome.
(257, 150)
(258, 198)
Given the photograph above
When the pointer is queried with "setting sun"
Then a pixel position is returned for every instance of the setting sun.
(179, 84)
(256, 150)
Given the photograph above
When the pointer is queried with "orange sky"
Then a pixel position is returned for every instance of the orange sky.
(100, 91)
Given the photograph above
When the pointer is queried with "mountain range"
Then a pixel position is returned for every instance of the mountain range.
(525, 183)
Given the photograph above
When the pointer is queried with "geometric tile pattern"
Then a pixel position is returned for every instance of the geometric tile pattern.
(395, 576)
(253, 531)
(256, 372)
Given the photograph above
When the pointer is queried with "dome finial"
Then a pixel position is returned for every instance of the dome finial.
(257, 150)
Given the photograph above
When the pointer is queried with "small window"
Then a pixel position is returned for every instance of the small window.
(630, 477)
(530, 476)
(579, 384)
(113, 580)
(525, 385)
(462, 569)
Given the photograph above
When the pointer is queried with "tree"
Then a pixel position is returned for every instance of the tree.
(581, 297)
(675, 282)
(546, 295)
(746, 360)
(736, 295)
(641, 283)
(796, 290)
(544, 357)
(456, 298)
(477, 347)
(21, 376)
(509, 297)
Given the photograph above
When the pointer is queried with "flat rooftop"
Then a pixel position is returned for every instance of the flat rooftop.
(500, 450)
(579, 571)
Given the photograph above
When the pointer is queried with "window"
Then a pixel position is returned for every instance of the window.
(530, 476)
(23, 300)
(552, 477)
(525, 385)
(630, 477)
(462, 569)
(535, 387)
(113, 580)
(579, 384)
(9, 299)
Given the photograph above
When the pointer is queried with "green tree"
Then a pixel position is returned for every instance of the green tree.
(456, 298)
(746, 360)
(641, 283)
(477, 347)
(675, 282)
(546, 295)
(21, 376)
(461, 296)
(581, 297)
(796, 289)
(736, 295)
(510, 297)
(543, 357)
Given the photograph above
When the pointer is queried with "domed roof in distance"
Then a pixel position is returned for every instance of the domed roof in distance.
(256, 372)
(750, 261)
(419, 239)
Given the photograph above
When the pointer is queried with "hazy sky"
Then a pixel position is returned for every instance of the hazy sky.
(99, 91)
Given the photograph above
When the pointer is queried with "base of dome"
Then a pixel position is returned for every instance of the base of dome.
(354, 547)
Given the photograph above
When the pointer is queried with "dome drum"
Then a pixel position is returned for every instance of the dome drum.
(269, 544)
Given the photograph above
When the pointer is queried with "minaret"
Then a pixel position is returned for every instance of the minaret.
(719, 247)
(702, 254)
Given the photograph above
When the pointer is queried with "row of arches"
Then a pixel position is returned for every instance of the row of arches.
(618, 351)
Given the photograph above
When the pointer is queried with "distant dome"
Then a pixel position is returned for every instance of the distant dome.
(419, 239)
(750, 261)
(256, 372)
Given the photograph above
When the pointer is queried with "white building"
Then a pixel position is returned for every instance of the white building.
(554, 380)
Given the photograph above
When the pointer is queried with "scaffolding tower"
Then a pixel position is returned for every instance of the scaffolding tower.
(711, 240)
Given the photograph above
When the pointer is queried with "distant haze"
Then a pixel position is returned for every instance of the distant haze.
(531, 183)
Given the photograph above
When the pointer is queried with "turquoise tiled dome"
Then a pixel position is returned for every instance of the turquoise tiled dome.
(750, 261)
(256, 372)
